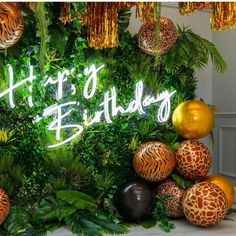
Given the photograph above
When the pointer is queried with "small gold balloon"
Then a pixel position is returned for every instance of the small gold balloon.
(224, 184)
(193, 119)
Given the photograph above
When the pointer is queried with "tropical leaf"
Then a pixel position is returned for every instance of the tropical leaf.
(17, 221)
(90, 228)
(77, 199)
(73, 224)
(106, 225)
(149, 223)
(34, 232)
(192, 51)
(181, 182)
(2, 72)
(51, 209)
(123, 19)
(87, 223)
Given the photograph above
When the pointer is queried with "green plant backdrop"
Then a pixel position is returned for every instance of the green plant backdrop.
(99, 161)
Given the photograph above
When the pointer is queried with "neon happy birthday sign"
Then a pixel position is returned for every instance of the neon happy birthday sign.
(108, 108)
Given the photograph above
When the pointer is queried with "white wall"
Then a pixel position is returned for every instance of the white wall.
(200, 24)
(224, 85)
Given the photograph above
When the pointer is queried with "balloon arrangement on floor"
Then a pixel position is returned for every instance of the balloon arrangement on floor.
(207, 201)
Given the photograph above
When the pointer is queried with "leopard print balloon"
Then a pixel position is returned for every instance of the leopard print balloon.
(193, 159)
(154, 161)
(4, 206)
(147, 37)
(171, 196)
(205, 204)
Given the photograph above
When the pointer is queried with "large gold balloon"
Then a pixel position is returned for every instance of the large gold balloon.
(224, 184)
(193, 119)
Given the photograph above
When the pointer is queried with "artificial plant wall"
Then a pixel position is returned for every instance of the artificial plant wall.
(99, 160)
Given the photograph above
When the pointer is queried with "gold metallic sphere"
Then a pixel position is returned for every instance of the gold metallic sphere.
(193, 119)
(224, 184)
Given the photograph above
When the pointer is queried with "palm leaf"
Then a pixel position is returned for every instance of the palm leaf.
(77, 199)
(192, 51)
(123, 19)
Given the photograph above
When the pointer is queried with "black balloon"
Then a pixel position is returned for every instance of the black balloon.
(135, 200)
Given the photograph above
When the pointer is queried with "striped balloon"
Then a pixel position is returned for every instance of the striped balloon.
(4, 206)
(11, 25)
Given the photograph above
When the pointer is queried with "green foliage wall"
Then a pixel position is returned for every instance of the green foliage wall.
(103, 152)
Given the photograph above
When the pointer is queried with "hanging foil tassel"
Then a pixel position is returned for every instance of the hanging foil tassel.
(102, 22)
(146, 11)
(65, 14)
(223, 15)
(190, 7)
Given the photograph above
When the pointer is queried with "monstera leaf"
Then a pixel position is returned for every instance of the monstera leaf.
(17, 221)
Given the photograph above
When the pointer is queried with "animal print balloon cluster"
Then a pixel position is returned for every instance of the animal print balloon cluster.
(207, 201)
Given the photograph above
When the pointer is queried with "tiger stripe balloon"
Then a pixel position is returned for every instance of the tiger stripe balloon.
(154, 161)
(4, 206)
(11, 25)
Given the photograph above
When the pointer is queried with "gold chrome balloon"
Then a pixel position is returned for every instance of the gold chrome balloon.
(224, 184)
(193, 119)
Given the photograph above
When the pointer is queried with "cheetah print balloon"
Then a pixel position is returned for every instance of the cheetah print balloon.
(171, 196)
(193, 159)
(4, 206)
(205, 204)
(154, 161)
(147, 36)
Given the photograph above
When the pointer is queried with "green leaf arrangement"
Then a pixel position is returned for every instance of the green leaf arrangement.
(77, 210)
(192, 51)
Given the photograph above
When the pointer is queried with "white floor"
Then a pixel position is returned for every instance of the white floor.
(182, 228)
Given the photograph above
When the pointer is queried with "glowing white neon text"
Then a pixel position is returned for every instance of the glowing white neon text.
(108, 108)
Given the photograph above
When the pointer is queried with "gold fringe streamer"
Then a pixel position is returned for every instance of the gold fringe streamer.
(223, 15)
(191, 7)
(102, 22)
(146, 11)
(65, 14)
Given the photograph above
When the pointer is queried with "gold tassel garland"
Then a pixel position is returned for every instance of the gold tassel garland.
(191, 7)
(223, 14)
(102, 22)
(146, 11)
(65, 14)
